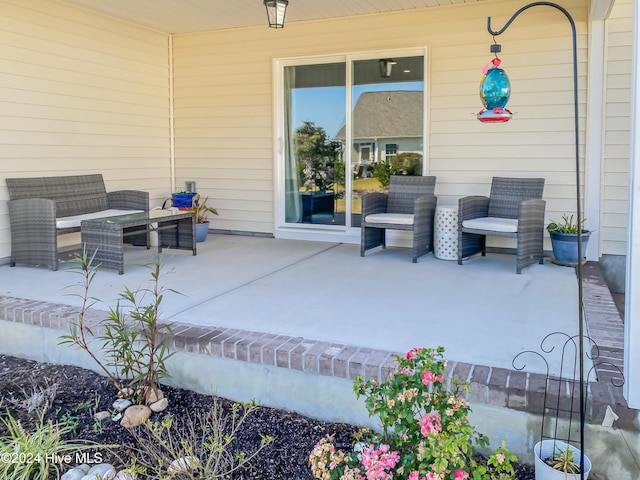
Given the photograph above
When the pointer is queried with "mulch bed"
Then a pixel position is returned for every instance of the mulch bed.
(81, 392)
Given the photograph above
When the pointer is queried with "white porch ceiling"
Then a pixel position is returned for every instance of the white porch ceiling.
(184, 16)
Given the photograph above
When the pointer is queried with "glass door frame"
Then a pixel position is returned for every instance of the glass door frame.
(333, 233)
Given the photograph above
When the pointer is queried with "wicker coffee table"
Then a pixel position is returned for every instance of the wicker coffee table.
(105, 236)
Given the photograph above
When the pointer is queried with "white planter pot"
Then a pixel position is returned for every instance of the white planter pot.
(545, 449)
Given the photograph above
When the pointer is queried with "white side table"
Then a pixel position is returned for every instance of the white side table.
(445, 235)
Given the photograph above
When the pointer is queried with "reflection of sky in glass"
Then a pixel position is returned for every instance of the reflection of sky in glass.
(325, 106)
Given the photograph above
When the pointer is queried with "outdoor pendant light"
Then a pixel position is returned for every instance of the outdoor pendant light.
(495, 90)
(275, 12)
(386, 64)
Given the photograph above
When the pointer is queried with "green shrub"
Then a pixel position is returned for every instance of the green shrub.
(201, 449)
(407, 163)
(135, 341)
(37, 454)
(426, 430)
(383, 171)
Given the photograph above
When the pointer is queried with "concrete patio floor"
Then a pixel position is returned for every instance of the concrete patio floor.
(482, 312)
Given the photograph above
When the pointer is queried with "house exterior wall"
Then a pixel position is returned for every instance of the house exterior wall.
(224, 101)
(412, 145)
(223, 122)
(81, 93)
(615, 158)
(378, 154)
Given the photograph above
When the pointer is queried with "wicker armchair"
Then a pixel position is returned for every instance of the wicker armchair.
(409, 205)
(514, 209)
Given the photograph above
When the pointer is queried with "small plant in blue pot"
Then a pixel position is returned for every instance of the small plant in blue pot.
(201, 212)
(564, 241)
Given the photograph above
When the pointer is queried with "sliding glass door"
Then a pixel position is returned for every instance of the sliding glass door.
(314, 169)
(387, 104)
(347, 125)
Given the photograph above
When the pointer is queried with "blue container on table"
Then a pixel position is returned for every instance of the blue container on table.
(182, 200)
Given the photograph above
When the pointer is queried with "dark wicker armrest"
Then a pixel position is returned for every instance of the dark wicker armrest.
(128, 200)
(474, 206)
(531, 216)
(34, 239)
(374, 202)
(424, 210)
(32, 215)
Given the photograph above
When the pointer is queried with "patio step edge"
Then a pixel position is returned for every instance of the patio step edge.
(498, 387)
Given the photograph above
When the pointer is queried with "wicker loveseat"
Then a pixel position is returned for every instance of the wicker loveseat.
(42, 208)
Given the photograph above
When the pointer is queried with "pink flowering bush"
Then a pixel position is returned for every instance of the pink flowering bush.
(426, 434)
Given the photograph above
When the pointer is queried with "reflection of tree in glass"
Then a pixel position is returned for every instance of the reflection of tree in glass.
(316, 157)
(407, 163)
(339, 169)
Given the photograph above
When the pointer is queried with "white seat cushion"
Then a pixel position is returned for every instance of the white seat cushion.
(494, 224)
(74, 220)
(390, 218)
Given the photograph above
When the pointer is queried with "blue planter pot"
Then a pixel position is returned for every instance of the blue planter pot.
(201, 231)
(565, 248)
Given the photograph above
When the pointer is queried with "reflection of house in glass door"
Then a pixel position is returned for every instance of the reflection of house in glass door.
(386, 124)
(390, 151)
(363, 168)
(387, 129)
(365, 153)
(378, 118)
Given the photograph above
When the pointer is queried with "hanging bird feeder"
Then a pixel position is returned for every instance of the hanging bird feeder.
(495, 90)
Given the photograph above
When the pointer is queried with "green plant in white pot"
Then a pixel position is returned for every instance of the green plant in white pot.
(201, 212)
(557, 460)
(564, 240)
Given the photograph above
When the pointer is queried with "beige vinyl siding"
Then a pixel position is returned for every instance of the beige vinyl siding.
(224, 112)
(81, 93)
(223, 130)
(615, 178)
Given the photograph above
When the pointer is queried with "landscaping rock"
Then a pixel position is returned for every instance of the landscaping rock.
(122, 475)
(102, 471)
(182, 465)
(127, 392)
(160, 405)
(121, 404)
(76, 473)
(135, 415)
(73, 474)
(153, 395)
(101, 416)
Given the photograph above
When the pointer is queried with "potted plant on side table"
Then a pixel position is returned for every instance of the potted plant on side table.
(201, 212)
(564, 241)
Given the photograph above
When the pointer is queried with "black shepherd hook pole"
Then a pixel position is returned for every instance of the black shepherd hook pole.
(578, 209)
